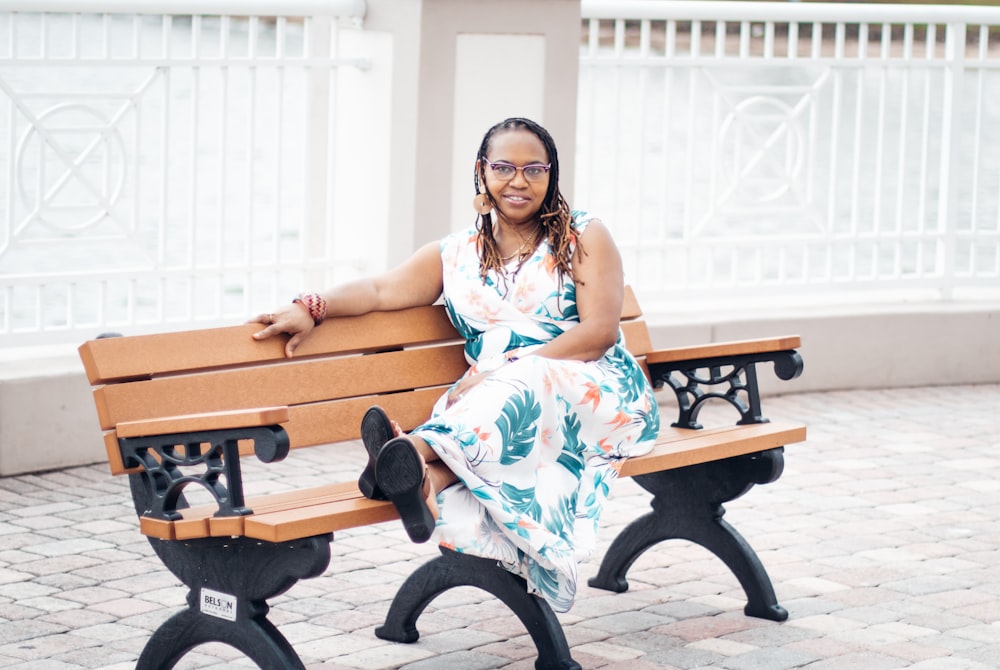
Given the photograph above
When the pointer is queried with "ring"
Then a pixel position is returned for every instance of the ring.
(270, 318)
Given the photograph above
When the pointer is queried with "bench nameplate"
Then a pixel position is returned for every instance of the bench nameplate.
(218, 604)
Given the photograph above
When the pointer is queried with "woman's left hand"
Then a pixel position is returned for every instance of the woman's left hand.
(463, 386)
(292, 318)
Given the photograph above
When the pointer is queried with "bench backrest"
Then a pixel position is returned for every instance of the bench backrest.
(401, 360)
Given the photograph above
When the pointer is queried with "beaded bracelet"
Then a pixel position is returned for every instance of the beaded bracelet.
(314, 304)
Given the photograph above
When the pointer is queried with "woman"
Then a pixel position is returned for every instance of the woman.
(515, 462)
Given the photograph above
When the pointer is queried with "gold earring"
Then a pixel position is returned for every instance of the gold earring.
(481, 203)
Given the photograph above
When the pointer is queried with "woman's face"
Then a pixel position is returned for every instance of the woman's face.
(518, 197)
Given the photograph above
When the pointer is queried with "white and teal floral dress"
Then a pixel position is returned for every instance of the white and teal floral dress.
(536, 445)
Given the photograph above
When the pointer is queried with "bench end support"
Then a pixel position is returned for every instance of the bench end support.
(687, 505)
(453, 569)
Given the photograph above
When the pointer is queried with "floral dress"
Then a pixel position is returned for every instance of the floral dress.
(536, 445)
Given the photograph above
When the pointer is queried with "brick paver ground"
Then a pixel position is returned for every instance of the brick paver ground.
(882, 538)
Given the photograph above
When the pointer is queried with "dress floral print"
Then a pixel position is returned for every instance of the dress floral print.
(537, 444)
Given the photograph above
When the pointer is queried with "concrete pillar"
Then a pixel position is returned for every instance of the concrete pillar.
(459, 66)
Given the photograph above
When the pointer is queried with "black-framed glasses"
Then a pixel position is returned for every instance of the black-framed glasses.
(532, 171)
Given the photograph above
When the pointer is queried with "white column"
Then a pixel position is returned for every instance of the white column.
(459, 66)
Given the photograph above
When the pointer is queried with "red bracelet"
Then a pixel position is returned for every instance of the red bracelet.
(314, 304)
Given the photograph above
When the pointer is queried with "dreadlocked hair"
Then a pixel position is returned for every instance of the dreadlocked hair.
(554, 215)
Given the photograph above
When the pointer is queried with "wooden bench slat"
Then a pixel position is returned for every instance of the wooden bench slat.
(324, 422)
(285, 383)
(736, 348)
(680, 447)
(200, 521)
(636, 337)
(292, 524)
(630, 305)
(115, 454)
(340, 420)
(157, 528)
(143, 356)
(205, 421)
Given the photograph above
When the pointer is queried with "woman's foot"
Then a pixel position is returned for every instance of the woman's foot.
(402, 475)
(376, 430)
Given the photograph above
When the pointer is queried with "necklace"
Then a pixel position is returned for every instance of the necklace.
(519, 251)
(516, 253)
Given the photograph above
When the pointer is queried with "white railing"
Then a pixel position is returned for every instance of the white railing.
(794, 153)
(169, 163)
(165, 162)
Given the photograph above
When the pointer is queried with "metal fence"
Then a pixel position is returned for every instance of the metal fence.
(164, 161)
(776, 153)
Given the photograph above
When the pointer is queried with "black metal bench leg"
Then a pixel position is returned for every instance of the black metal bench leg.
(628, 545)
(257, 638)
(725, 542)
(687, 504)
(229, 582)
(452, 569)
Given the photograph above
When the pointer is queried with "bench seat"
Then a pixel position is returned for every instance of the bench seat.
(290, 515)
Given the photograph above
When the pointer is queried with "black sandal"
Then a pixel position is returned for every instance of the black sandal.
(376, 430)
(402, 475)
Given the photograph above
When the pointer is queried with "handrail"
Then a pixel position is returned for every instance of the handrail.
(340, 8)
(831, 12)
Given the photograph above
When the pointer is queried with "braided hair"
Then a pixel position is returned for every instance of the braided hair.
(554, 216)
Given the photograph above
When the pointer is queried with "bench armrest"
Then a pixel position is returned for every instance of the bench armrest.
(187, 423)
(204, 449)
(694, 372)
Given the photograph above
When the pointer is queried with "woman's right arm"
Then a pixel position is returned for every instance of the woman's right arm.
(415, 282)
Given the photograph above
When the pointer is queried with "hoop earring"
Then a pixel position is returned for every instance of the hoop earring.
(481, 203)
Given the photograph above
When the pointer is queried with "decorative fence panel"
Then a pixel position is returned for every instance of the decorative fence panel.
(161, 167)
(788, 153)
(163, 163)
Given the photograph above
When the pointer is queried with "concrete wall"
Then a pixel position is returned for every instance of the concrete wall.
(865, 347)
(47, 416)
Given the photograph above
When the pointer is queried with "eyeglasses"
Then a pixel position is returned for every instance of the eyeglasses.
(532, 171)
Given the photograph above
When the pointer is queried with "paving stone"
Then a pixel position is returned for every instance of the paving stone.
(387, 656)
(914, 652)
(464, 660)
(860, 661)
(627, 622)
(333, 646)
(27, 629)
(516, 649)
(722, 646)
(954, 664)
(8, 576)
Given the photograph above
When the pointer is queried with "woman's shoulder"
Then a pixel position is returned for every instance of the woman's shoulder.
(581, 220)
(459, 238)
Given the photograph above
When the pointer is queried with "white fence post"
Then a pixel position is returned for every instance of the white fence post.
(316, 239)
(953, 103)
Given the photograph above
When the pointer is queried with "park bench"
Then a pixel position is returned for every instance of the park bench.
(179, 410)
